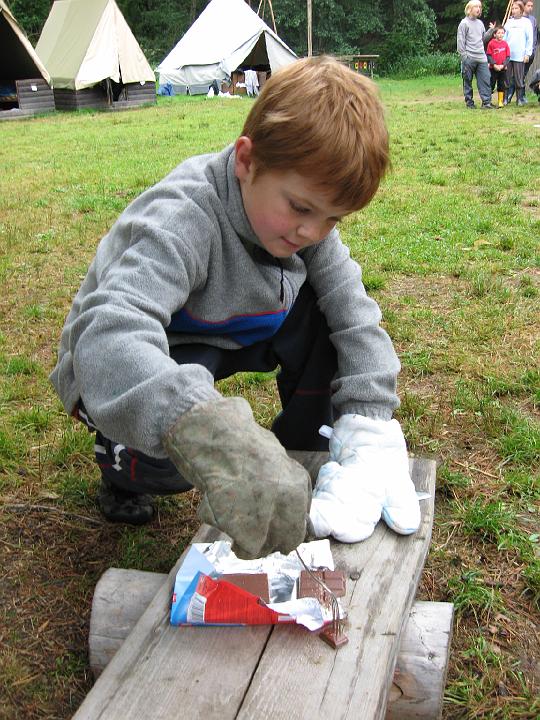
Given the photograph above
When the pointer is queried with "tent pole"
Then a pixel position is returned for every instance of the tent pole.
(309, 25)
(272, 15)
(507, 13)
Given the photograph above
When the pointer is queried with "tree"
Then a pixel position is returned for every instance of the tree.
(31, 15)
(413, 29)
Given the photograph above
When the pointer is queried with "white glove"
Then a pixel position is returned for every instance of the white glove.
(368, 475)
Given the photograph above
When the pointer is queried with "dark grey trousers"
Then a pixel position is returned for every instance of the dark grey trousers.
(515, 79)
(302, 350)
(480, 70)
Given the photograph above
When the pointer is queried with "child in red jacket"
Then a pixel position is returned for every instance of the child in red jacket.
(498, 55)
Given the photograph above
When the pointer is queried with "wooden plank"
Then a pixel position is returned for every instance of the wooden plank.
(420, 674)
(32, 100)
(354, 682)
(121, 597)
(39, 92)
(37, 105)
(160, 669)
(208, 671)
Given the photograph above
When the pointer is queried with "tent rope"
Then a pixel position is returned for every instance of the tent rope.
(508, 11)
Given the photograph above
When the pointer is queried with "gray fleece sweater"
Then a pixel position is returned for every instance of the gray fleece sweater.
(471, 36)
(182, 264)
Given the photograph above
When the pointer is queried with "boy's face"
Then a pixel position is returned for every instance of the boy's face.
(287, 212)
(499, 34)
(529, 8)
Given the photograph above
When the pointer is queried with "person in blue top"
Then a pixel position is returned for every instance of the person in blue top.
(518, 35)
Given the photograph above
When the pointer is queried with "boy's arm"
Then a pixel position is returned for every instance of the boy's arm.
(130, 386)
(138, 396)
(368, 473)
(367, 363)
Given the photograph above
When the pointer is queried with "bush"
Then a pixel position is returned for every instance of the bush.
(435, 63)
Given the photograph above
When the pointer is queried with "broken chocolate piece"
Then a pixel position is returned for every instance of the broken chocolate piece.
(254, 583)
(309, 587)
(335, 639)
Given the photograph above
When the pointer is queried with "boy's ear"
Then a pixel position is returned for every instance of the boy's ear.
(243, 160)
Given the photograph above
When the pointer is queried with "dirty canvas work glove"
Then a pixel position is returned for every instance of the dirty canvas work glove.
(251, 489)
(367, 476)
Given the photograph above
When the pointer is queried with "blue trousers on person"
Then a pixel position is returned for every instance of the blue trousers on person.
(480, 70)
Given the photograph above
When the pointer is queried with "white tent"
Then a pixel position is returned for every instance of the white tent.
(84, 42)
(17, 56)
(225, 35)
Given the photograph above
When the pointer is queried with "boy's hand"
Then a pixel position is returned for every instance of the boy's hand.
(251, 490)
(368, 476)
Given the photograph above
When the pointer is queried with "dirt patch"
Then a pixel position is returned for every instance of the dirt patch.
(51, 561)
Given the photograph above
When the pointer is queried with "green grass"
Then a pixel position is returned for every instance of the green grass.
(449, 248)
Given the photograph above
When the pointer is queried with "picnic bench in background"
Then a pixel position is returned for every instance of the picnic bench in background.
(152, 670)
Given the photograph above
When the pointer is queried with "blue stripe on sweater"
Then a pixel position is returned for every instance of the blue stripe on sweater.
(243, 329)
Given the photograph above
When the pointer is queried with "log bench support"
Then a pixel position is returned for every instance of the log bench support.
(122, 596)
(279, 672)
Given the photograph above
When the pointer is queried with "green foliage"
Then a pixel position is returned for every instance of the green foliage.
(392, 29)
(412, 31)
(31, 15)
(417, 66)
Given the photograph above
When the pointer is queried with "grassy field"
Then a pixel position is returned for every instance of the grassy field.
(450, 249)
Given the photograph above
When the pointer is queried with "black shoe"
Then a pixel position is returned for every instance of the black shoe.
(471, 106)
(124, 507)
(488, 106)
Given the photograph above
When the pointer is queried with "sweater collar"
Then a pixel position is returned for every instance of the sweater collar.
(231, 196)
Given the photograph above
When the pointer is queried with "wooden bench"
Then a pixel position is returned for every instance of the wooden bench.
(159, 671)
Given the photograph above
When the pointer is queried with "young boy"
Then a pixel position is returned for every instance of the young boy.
(233, 263)
(518, 35)
(471, 37)
(498, 55)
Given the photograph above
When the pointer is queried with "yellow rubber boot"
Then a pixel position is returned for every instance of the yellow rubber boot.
(500, 96)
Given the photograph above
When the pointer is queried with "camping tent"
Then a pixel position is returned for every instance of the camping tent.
(23, 77)
(18, 58)
(84, 43)
(225, 35)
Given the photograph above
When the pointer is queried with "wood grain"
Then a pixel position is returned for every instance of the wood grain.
(284, 672)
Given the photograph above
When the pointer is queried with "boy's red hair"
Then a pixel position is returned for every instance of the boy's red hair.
(325, 122)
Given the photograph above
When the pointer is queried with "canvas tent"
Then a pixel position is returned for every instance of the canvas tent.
(23, 78)
(227, 34)
(92, 55)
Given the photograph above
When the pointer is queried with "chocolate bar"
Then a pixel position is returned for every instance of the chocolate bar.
(254, 583)
(309, 587)
(335, 639)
